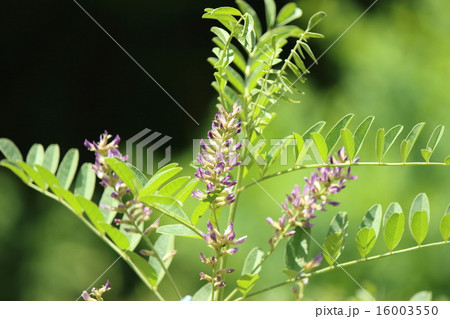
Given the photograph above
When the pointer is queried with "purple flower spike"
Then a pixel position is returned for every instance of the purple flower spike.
(218, 157)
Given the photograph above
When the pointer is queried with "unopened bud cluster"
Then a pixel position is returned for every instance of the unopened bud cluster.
(220, 244)
(300, 207)
(96, 294)
(135, 213)
(218, 158)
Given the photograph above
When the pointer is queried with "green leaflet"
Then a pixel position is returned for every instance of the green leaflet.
(119, 239)
(432, 142)
(297, 249)
(337, 235)
(385, 141)
(163, 246)
(245, 283)
(187, 190)
(246, 8)
(177, 230)
(49, 178)
(411, 140)
(51, 158)
(203, 294)
(33, 174)
(199, 211)
(70, 199)
(394, 225)
(92, 211)
(372, 219)
(170, 188)
(315, 19)
(108, 201)
(252, 261)
(361, 133)
(162, 176)
(419, 217)
(145, 268)
(349, 142)
(68, 168)
(444, 226)
(168, 205)
(12, 166)
(365, 240)
(422, 296)
(35, 155)
(288, 13)
(333, 135)
(332, 247)
(271, 13)
(125, 173)
(85, 182)
(10, 150)
(321, 145)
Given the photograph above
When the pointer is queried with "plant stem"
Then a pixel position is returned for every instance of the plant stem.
(349, 263)
(296, 168)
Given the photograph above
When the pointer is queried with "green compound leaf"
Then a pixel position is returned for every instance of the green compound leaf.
(85, 182)
(361, 133)
(253, 260)
(315, 19)
(145, 268)
(177, 230)
(297, 249)
(245, 283)
(35, 155)
(288, 13)
(332, 247)
(349, 142)
(10, 150)
(321, 145)
(444, 226)
(119, 239)
(163, 246)
(125, 173)
(51, 158)
(68, 168)
(365, 240)
(334, 134)
(394, 225)
(203, 294)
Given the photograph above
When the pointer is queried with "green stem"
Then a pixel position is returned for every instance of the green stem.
(349, 263)
(296, 168)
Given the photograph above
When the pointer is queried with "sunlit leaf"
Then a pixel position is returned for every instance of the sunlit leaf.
(252, 262)
(361, 133)
(271, 13)
(349, 142)
(142, 264)
(245, 283)
(163, 246)
(334, 134)
(315, 19)
(10, 150)
(68, 168)
(203, 294)
(119, 239)
(288, 13)
(51, 158)
(444, 226)
(177, 230)
(35, 155)
(297, 249)
(85, 182)
(332, 247)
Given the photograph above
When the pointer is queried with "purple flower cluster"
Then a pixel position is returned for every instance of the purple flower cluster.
(300, 207)
(219, 243)
(218, 157)
(135, 211)
(96, 294)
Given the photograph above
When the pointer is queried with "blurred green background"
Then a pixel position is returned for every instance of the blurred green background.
(66, 81)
